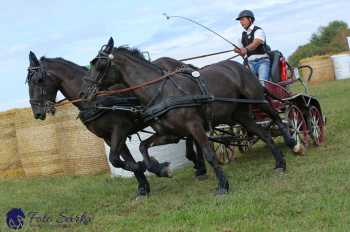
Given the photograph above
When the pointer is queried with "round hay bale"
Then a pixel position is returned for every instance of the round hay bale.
(322, 66)
(83, 152)
(10, 163)
(37, 145)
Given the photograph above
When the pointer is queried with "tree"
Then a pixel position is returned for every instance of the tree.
(327, 40)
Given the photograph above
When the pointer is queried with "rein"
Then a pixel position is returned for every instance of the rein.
(67, 101)
(114, 91)
(139, 86)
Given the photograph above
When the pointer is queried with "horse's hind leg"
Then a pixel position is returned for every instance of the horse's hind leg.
(251, 126)
(197, 158)
(291, 143)
(198, 133)
(152, 165)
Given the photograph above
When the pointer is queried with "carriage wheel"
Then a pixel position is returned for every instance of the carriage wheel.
(297, 126)
(225, 154)
(247, 144)
(316, 125)
(245, 149)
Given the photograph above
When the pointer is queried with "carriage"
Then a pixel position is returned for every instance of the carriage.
(300, 111)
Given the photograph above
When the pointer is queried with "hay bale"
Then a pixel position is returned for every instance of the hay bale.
(10, 163)
(83, 152)
(37, 145)
(322, 66)
(60, 145)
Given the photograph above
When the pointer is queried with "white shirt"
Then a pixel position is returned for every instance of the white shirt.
(259, 34)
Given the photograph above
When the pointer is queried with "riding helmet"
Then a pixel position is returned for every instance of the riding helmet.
(246, 13)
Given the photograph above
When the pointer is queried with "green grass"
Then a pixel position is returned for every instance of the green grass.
(314, 194)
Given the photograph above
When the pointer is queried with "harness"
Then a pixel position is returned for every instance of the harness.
(158, 106)
(106, 103)
(154, 111)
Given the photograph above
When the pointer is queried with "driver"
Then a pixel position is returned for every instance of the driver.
(253, 45)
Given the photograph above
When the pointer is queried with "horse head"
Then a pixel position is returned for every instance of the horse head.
(42, 91)
(100, 67)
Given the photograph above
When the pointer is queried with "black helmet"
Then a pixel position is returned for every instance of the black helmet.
(246, 13)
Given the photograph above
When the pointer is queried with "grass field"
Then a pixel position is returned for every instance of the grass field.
(314, 194)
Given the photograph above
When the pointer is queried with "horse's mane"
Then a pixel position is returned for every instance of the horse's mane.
(63, 61)
(132, 51)
(135, 52)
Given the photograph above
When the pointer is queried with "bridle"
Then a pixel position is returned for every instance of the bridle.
(47, 105)
(95, 82)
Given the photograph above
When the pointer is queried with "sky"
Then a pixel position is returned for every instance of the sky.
(76, 29)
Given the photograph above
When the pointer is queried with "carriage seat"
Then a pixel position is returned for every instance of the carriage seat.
(275, 68)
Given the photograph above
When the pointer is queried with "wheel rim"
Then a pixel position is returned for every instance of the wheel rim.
(297, 126)
(316, 126)
(244, 136)
(224, 153)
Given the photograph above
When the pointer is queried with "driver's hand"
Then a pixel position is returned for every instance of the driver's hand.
(237, 50)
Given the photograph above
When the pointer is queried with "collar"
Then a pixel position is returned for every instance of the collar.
(250, 28)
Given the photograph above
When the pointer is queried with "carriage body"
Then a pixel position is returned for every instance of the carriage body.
(301, 113)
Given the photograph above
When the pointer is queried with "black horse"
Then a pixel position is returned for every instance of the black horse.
(225, 80)
(47, 76)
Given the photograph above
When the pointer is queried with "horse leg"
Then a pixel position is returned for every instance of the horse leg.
(152, 165)
(196, 158)
(117, 146)
(201, 172)
(251, 126)
(291, 143)
(198, 133)
(129, 164)
(144, 187)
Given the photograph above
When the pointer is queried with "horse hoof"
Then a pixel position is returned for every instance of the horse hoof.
(166, 171)
(140, 197)
(221, 192)
(280, 170)
(142, 193)
(299, 149)
(222, 189)
(201, 177)
(160, 169)
(143, 190)
(281, 166)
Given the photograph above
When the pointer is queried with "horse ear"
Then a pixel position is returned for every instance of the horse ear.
(33, 60)
(111, 42)
(110, 45)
